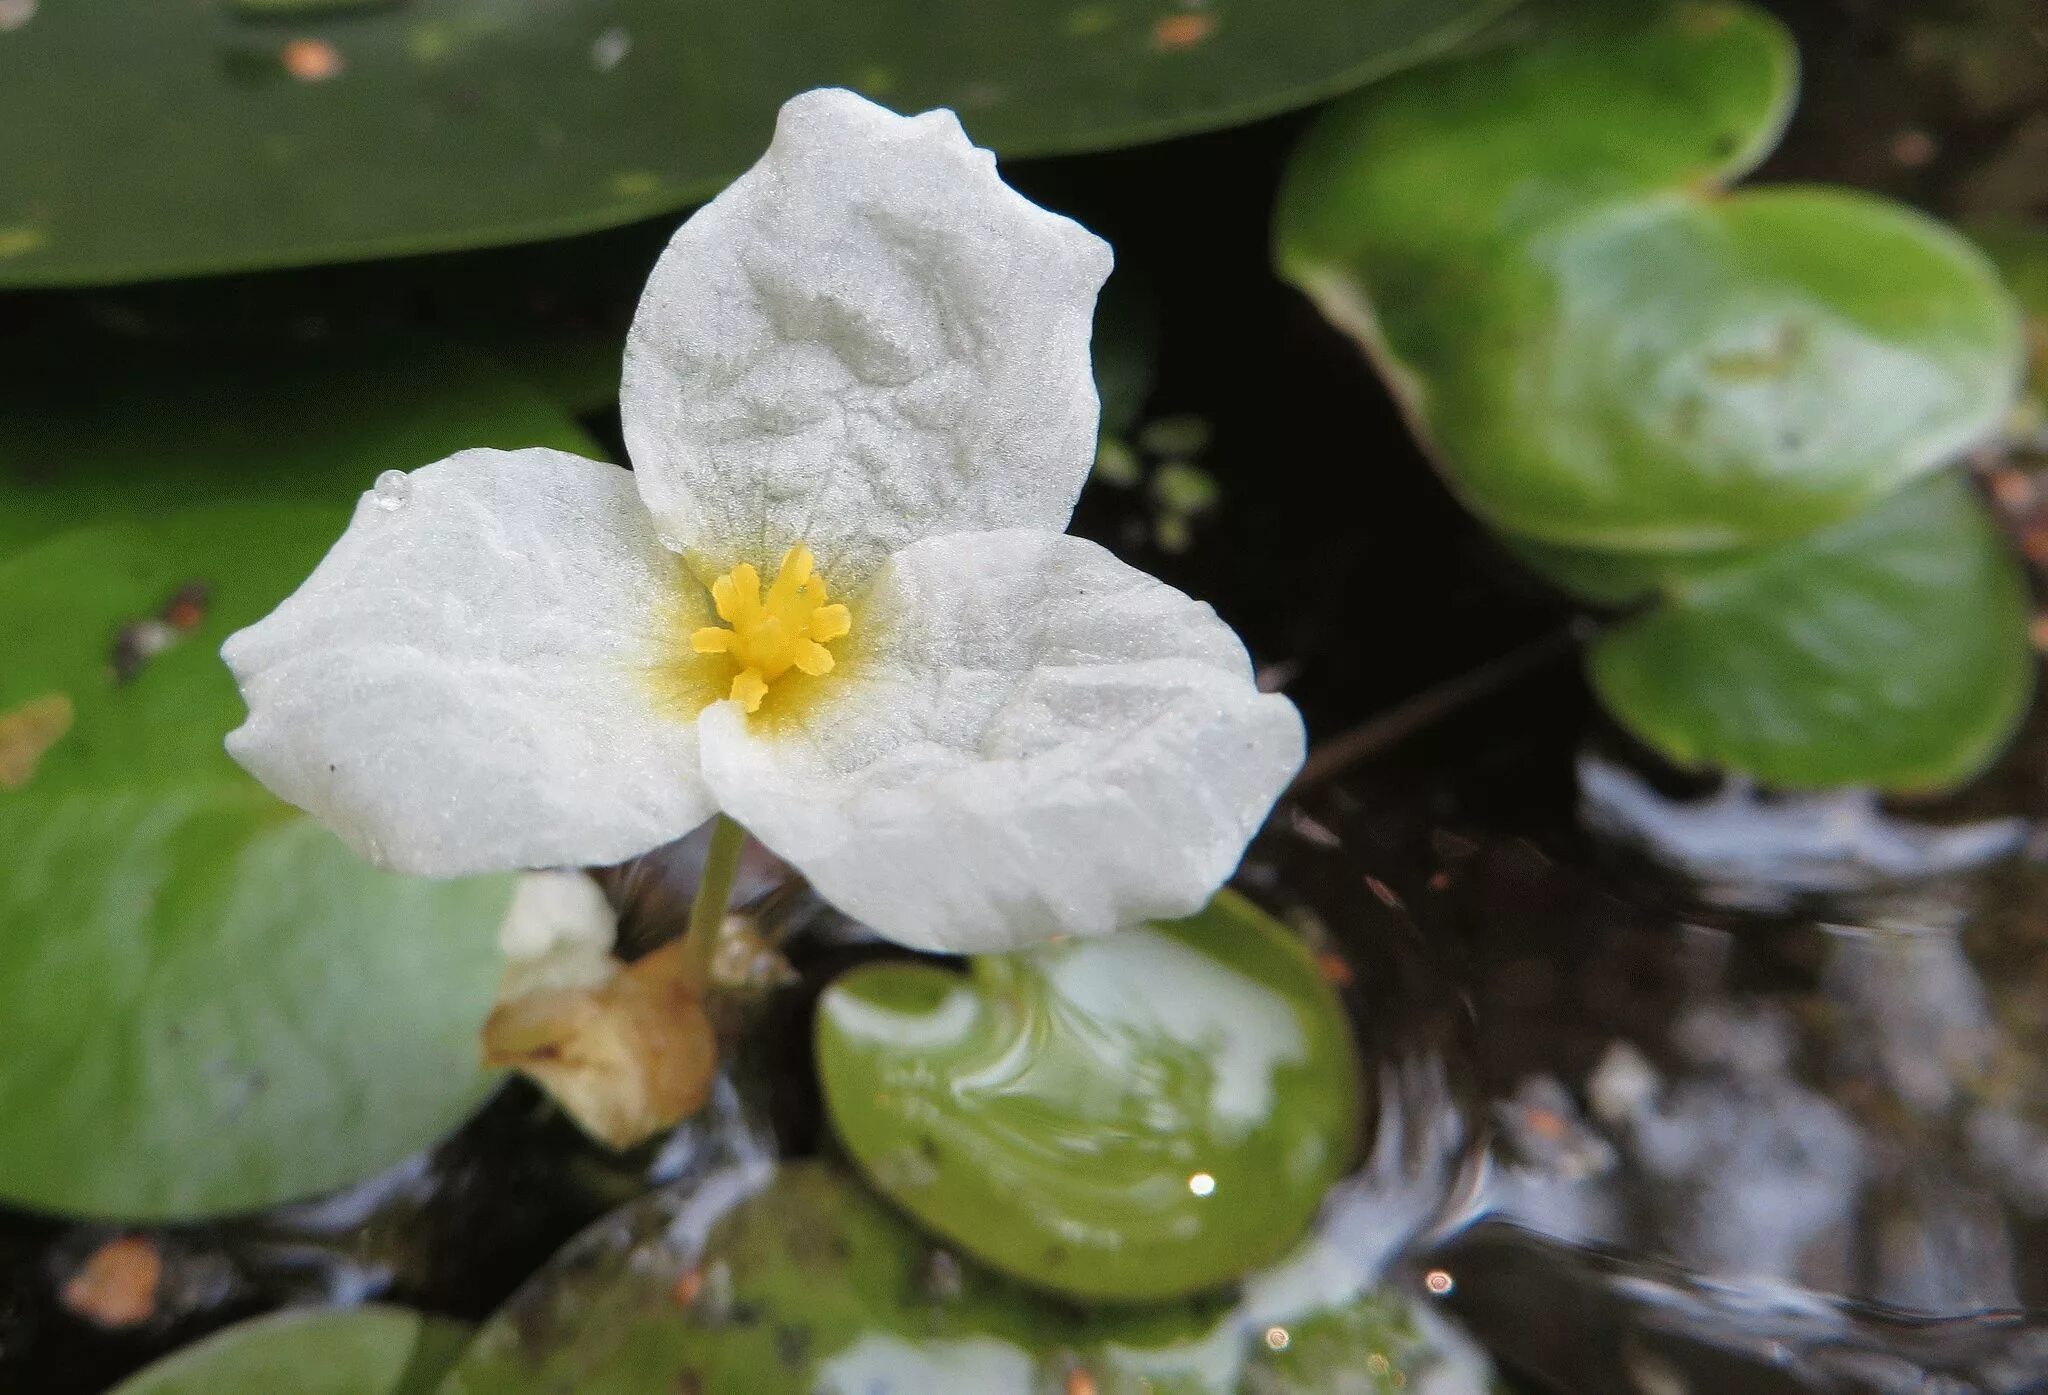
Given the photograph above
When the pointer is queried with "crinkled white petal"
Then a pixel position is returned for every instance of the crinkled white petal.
(464, 683)
(1032, 739)
(868, 338)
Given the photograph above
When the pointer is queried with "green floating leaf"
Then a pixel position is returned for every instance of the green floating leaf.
(812, 1287)
(149, 430)
(2021, 254)
(1891, 649)
(351, 1351)
(1602, 347)
(302, 134)
(211, 1004)
(1133, 1117)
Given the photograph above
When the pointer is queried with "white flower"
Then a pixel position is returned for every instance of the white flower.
(863, 366)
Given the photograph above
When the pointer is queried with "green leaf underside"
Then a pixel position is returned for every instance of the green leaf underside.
(155, 429)
(354, 1351)
(1891, 649)
(1602, 348)
(443, 124)
(1133, 1117)
(212, 1005)
(814, 1287)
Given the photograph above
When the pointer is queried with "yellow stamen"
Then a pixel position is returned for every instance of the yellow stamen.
(749, 688)
(787, 629)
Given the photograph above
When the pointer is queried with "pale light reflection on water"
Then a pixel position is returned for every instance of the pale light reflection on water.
(1752, 1090)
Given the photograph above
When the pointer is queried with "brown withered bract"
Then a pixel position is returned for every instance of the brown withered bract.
(627, 1059)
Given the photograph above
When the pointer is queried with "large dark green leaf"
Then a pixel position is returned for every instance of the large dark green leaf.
(352, 1351)
(813, 1287)
(143, 430)
(1139, 1116)
(142, 139)
(211, 1004)
(1891, 650)
(1605, 349)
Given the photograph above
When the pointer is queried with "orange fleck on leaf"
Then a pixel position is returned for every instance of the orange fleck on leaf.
(1177, 32)
(1334, 970)
(186, 611)
(312, 60)
(1545, 1123)
(1081, 1382)
(2038, 632)
(27, 731)
(689, 1288)
(117, 1286)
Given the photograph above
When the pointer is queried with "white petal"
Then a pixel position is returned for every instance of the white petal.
(467, 682)
(866, 339)
(1030, 739)
(559, 932)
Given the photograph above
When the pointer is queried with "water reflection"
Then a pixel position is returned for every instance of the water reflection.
(1752, 1089)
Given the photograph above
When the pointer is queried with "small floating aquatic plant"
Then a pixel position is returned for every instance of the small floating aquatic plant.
(832, 600)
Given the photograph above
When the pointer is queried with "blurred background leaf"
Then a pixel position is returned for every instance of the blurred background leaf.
(212, 1004)
(1603, 346)
(144, 140)
(360, 1351)
(1713, 403)
(154, 427)
(813, 1286)
(1889, 650)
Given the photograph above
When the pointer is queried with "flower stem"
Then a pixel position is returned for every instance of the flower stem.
(714, 895)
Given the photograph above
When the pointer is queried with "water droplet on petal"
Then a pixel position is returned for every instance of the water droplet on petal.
(392, 490)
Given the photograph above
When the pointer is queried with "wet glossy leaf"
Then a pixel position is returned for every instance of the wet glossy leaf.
(211, 1004)
(1891, 649)
(352, 1351)
(154, 429)
(814, 1287)
(1137, 1116)
(1602, 347)
(271, 132)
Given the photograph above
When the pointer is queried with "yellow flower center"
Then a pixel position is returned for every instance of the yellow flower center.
(786, 629)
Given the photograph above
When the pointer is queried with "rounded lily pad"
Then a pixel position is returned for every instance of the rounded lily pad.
(347, 1351)
(1603, 347)
(1131, 1117)
(324, 130)
(1891, 649)
(814, 1287)
(1463, 156)
(211, 1004)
